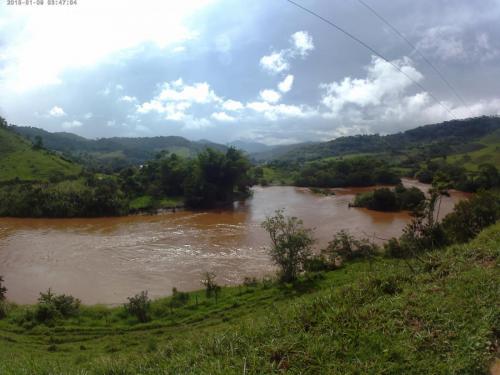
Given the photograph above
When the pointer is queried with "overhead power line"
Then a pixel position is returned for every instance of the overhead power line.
(414, 47)
(371, 49)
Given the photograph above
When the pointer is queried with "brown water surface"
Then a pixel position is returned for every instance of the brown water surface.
(105, 260)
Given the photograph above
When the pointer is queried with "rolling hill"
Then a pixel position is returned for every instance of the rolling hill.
(455, 137)
(116, 151)
(19, 160)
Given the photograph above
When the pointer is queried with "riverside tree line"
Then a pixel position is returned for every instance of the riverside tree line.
(212, 178)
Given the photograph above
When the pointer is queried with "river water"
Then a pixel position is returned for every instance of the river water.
(105, 260)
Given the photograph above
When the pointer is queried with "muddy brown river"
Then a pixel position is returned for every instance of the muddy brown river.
(105, 260)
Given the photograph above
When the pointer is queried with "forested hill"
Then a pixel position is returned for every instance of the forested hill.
(22, 161)
(447, 138)
(115, 152)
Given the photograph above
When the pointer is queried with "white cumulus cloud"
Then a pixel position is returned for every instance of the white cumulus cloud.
(383, 83)
(286, 85)
(223, 117)
(56, 111)
(232, 105)
(279, 61)
(270, 96)
(302, 42)
(127, 98)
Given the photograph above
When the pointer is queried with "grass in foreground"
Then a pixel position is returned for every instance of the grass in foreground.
(376, 317)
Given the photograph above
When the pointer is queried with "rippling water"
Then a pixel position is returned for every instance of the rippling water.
(105, 260)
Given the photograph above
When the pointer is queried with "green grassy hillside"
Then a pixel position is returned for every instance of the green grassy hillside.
(365, 318)
(115, 152)
(487, 152)
(447, 138)
(19, 160)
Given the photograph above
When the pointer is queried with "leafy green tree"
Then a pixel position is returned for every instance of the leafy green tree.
(471, 216)
(488, 177)
(424, 232)
(290, 244)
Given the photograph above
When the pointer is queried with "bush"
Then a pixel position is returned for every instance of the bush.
(347, 247)
(395, 249)
(250, 282)
(211, 287)
(178, 299)
(3, 290)
(139, 306)
(66, 305)
(4, 309)
(51, 307)
(318, 263)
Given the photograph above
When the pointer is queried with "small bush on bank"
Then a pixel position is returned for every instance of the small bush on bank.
(178, 299)
(4, 309)
(139, 306)
(3, 289)
(345, 246)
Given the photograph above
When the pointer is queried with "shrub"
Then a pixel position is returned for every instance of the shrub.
(139, 306)
(250, 281)
(290, 244)
(211, 287)
(347, 247)
(178, 299)
(3, 289)
(51, 307)
(318, 263)
(66, 305)
(4, 309)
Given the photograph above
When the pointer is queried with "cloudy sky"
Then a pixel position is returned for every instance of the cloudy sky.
(259, 70)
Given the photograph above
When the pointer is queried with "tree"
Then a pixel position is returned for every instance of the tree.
(3, 289)
(290, 244)
(471, 216)
(139, 306)
(38, 143)
(424, 232)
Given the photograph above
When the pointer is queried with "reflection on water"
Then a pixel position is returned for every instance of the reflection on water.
(105, 260)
